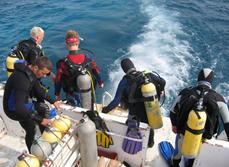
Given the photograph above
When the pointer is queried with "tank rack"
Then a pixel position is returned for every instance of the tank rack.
(65, 152)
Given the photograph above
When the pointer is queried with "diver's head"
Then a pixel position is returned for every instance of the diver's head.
(205, 77)
(127, 66)
(72, 38)
(37, 33)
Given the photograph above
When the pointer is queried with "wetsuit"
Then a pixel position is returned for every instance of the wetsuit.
(124, 90)
(67, 81)
(26, 50)
(16, 102)
(216, 108)
(30, 50)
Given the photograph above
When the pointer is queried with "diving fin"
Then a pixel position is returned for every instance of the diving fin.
(166, 149)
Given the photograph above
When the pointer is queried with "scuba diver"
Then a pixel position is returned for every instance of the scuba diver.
(20, 88)
(195, 116)
(27, 50)
(77, 74)
(130, 93)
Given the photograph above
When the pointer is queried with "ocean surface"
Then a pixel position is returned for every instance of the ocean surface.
(174, 38)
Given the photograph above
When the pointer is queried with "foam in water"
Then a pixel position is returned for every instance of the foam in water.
(161, 49)
(223, 89)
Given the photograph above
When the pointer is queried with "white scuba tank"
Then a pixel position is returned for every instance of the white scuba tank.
(88, 146)
(84, 84)
(194, 131)
(153, 110)
(41, 149)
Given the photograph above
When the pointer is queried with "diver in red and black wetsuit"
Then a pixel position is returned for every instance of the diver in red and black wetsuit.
(70, 67)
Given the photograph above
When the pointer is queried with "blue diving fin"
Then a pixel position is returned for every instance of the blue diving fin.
(166, 149)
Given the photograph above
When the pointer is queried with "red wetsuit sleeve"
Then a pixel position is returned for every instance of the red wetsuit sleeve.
(59, 72)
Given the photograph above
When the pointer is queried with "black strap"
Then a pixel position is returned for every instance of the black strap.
(85, 90)
(143, 99)
(196, 132)
(13, 55)
(10, 70)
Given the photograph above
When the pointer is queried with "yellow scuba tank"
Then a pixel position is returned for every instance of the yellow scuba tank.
(152, 107)
(62, 124)
(27, 160)
(194, 131)
(51, 135)
(10, 60)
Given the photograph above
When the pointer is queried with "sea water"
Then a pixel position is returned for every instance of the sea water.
(174, 38)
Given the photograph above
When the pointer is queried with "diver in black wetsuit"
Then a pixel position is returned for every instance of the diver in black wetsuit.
(21, 85)
(216, 110)
(28, 50)
(131, 85)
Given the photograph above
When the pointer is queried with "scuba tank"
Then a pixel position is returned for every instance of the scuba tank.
(194, 131)
(14, 56)
(51, 135)
(62, 123)
(84, 85)
(152, 107)
(27, 160)
(41, 149)
(10, 60)
(88, 146)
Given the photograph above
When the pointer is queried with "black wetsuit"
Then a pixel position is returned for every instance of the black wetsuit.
(16, 103)
(216, 109)
(30, 50)
(129, 89)
(127, 92)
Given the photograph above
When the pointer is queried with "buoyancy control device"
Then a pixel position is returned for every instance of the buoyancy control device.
(88, 147)
(194, 130)
(152, 106)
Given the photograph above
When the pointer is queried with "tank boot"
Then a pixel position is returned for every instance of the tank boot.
(175, 163)
(151, 138)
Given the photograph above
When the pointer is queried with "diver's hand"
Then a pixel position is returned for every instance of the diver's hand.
(174, 129)
(45, 122)
(105, 110)
(57, 105)
(101, 85)
(162, 93)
